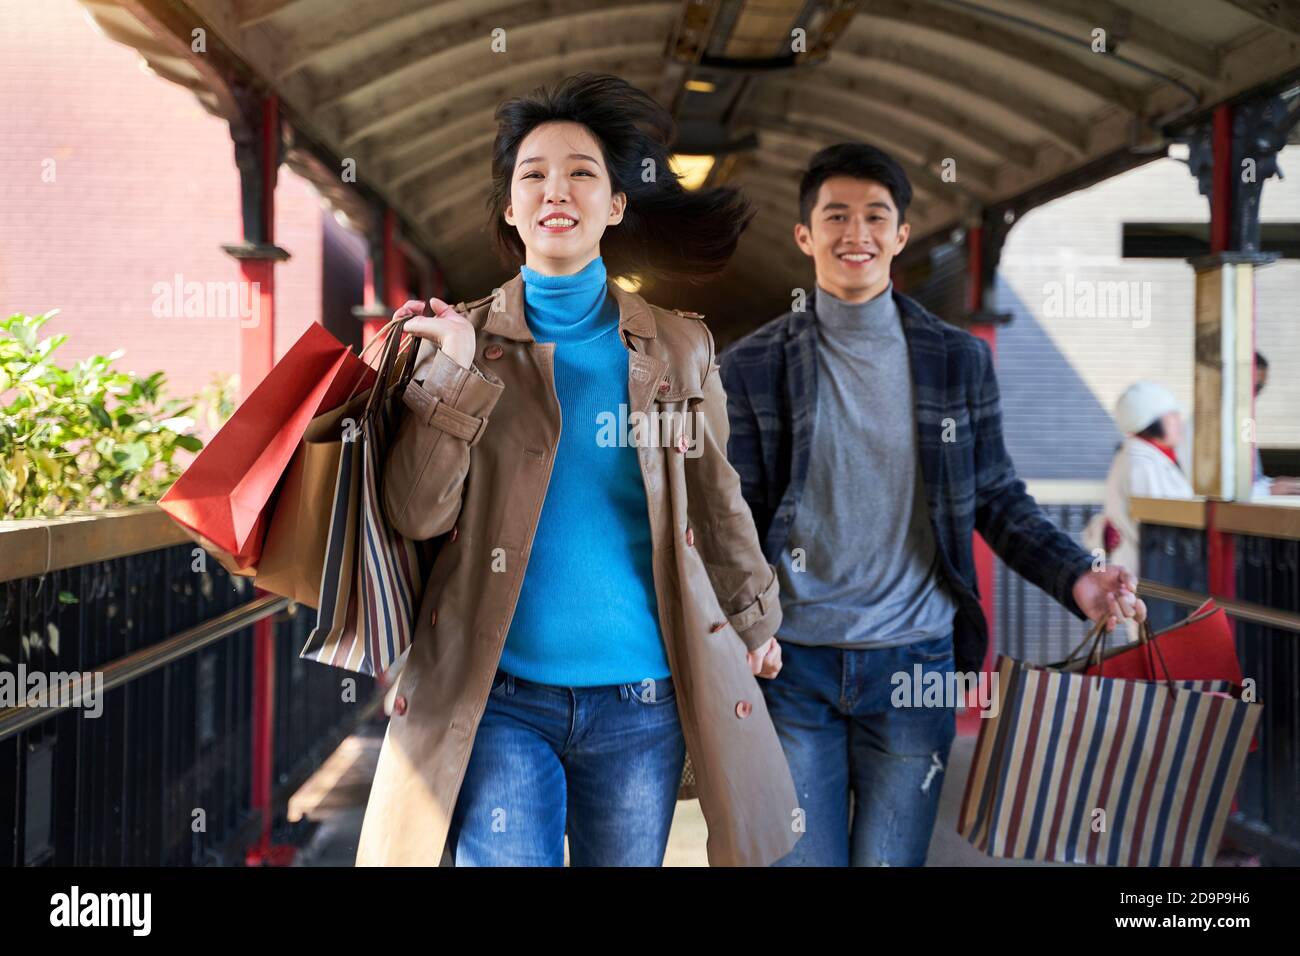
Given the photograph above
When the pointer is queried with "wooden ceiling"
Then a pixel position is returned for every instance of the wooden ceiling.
(982, 101)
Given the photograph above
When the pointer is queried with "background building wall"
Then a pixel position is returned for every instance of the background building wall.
(144, 187)
(1061, 374)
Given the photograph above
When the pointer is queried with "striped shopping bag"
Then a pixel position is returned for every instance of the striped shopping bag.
(1080, 768)
(373, 576)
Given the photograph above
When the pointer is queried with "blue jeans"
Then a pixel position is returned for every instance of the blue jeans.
(602, 763)
(842, 735)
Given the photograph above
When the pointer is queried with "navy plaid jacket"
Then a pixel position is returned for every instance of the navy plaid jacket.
(770, 377)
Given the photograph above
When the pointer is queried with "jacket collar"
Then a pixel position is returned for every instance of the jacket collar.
(505, 315)
(927, 356)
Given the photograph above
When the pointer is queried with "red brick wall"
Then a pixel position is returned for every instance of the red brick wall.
(145, 187)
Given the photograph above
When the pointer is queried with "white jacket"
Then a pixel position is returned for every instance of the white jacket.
(1139, 470)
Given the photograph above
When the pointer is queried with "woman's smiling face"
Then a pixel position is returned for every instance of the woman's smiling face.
(562, 198)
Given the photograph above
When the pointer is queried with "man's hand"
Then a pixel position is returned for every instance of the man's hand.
(1110, 594)
(766, 661)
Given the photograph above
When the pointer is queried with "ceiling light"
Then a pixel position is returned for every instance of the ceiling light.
(692, 170)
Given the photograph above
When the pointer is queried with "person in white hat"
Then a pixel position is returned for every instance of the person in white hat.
(1145, 466)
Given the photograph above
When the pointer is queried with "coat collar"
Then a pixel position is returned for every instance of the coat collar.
(505, 315)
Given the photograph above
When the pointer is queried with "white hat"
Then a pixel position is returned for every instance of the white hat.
(1142, 404)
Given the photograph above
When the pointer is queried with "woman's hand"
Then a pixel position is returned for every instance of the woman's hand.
(445, 327)
(766, 661)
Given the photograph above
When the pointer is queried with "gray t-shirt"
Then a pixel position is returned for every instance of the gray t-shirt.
(870, 574)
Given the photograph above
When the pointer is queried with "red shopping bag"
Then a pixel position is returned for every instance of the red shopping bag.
(1200, 647)
(221, 499)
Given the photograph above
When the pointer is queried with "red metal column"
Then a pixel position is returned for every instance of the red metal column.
(394, 289)
(259, 157)
(1221, 172)
(397, 282)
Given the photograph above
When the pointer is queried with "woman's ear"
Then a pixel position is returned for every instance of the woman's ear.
(617, 206)
(510, 213)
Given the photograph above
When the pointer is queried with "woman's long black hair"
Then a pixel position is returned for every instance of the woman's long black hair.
(666, 230)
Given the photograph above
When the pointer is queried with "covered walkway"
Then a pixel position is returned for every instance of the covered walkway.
(994, 106)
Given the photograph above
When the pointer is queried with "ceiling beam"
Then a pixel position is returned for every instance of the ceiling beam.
(252, 13)
(471, 138)
(1014, 100)
(362, 27)
(1022, 49)
(435, 161)
(832, 130)
(1128, 29)
(451, 192)
(794, 149)
(1281, 15)
(466, 51)
(925, 115)
(880, 128)
(497, 85)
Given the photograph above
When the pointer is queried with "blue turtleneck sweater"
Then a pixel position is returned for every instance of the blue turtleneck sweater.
(586, 613)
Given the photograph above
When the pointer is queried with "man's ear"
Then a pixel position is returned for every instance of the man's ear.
(803, 238)
(617, 206)
(904, 231)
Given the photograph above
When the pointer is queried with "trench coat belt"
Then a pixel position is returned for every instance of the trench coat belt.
(745, 618)
(432, 410)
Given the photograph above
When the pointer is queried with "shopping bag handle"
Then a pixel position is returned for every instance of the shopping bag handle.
(392, 344)
(1096, 643)
(392, 331)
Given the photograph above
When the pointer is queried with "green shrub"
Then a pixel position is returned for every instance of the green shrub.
(89, 437)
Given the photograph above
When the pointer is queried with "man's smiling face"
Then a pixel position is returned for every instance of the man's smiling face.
(852, 236)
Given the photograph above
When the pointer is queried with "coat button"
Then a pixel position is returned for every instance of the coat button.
(717, 627)
(455, 532)
(433, 617)
(663, 387)
(683, 443)
(399, 705)
(492, 352)
(743, 708)
(690, 537)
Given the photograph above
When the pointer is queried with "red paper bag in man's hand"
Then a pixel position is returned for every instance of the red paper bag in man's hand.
(1200, 647)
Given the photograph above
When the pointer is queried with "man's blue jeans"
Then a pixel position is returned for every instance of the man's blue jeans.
(841, 733)
(602, 763)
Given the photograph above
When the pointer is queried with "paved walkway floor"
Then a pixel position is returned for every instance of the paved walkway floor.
(335, 799)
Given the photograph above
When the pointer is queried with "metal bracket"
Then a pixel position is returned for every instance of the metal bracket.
(1259, 131)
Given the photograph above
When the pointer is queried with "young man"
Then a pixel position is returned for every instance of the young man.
(867, 435)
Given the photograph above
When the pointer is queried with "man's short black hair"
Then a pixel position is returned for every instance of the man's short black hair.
(860, 161)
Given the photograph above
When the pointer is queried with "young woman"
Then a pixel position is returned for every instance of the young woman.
(600, 602)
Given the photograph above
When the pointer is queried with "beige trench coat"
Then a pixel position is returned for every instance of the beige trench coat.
(472, 457)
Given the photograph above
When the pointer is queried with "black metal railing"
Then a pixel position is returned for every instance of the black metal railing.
(1268, 573)
(1177, 557)
(161, 775)
(1267, 816)
(1029, 625)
